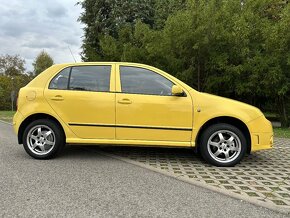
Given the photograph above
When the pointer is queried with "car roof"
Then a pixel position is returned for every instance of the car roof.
(101, 62)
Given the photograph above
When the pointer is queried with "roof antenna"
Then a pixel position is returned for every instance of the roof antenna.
(71, 53)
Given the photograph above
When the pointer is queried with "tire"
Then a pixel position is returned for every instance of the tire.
(223, 145)
(43, 139)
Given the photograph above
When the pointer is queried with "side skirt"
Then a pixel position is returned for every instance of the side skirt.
(129, 142)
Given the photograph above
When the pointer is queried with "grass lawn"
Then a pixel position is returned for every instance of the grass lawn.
(7, 115)
(282, 132)
(278, 132)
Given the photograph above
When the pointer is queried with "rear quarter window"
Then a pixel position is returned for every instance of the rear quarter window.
(60, 81)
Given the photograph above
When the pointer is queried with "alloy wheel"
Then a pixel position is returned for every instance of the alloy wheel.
(224, 146)
(41, 139)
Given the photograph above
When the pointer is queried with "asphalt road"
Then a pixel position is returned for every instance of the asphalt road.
(80, 183)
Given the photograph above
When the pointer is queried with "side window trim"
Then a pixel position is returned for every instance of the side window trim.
(69, 75)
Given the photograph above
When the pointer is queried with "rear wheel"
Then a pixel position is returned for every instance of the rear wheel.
(43, 139)
(223, 145)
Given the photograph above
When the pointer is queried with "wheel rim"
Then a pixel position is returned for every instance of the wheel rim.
(41, 139)
(224, 146)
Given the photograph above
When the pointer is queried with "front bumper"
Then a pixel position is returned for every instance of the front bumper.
(261, 134)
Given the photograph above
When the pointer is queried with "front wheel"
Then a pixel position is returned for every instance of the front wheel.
(223, 145)
(43, 139)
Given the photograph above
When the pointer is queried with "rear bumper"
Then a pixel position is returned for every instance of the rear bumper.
(261, 134)
(17, 120)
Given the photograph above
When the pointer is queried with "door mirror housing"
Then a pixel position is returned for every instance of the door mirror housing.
(177, 91)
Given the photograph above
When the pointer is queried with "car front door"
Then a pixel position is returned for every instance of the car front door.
(146, 110)
(84, 98)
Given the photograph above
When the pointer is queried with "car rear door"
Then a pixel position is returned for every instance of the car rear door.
(83, 97)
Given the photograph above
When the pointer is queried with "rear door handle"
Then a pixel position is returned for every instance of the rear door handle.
(57, 98)
(125, 101)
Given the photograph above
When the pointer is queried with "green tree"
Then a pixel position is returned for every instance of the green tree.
(226, 47)
(42, 62)
(11, 84)
(12, 78)
(11, 65)
(1, 92)
(165, 9)
(6, 87)
(106, 17)
(276, 81)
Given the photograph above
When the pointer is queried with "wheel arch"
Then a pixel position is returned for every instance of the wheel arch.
(32, 118)
(228, 120)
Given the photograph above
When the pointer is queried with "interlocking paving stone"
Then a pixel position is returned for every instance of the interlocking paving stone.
(263, 176)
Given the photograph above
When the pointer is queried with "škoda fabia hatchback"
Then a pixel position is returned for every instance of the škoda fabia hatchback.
(133, 104)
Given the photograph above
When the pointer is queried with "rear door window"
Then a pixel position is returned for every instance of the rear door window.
(90, 78)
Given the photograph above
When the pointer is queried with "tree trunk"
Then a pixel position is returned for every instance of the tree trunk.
(198, 75)
(283, 112)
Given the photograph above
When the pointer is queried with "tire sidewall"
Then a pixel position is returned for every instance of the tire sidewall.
(211, 130)
(59, 138)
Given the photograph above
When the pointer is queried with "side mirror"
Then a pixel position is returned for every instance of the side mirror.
(177, 91)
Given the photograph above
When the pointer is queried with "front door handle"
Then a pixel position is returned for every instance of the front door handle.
(125, 101)
(57, 98)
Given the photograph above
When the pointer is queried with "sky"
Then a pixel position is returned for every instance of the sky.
(29, 26)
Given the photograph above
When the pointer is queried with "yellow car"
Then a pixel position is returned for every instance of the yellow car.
(112, 103)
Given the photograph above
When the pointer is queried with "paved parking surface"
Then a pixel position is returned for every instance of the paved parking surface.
(83, 182)
(262, 177)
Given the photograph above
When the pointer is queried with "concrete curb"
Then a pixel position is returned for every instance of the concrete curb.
(202, 185)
